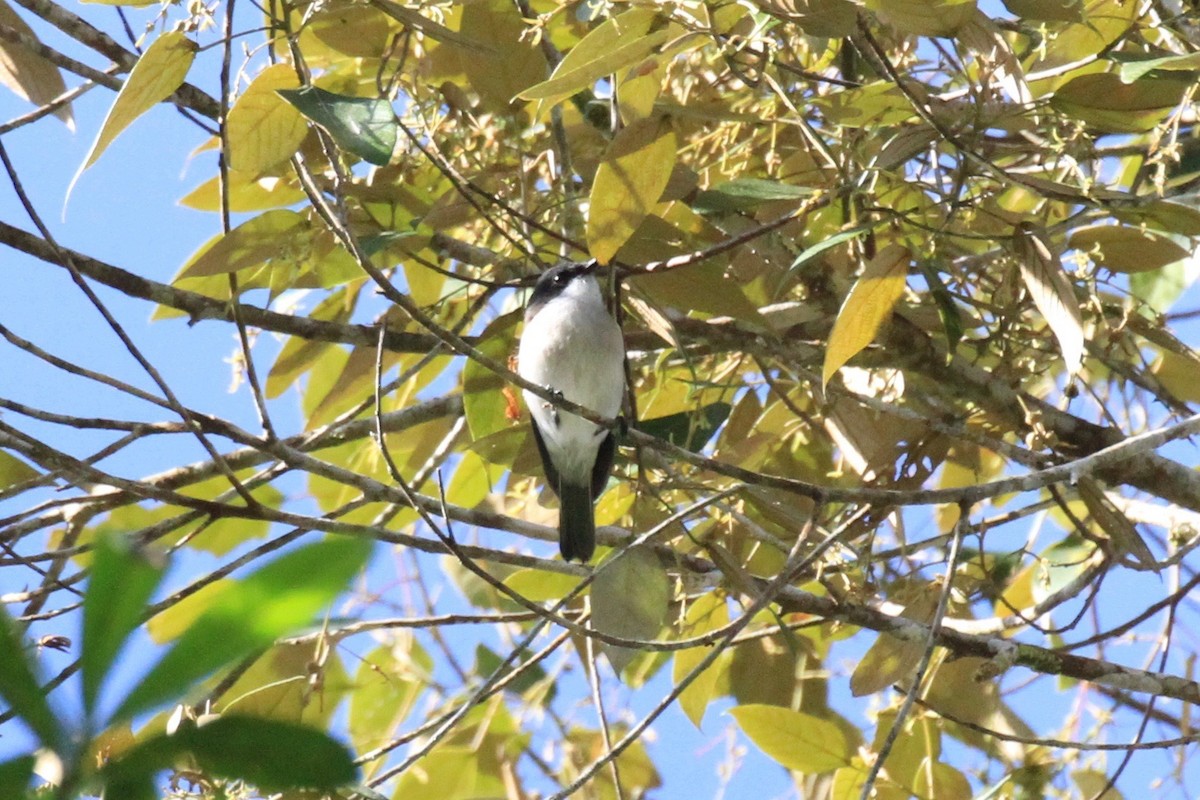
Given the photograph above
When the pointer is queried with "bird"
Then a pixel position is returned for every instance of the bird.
(573, 347)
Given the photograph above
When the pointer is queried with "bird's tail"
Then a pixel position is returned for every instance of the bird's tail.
(576, 524)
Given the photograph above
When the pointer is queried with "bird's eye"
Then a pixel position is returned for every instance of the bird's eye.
(560, 278)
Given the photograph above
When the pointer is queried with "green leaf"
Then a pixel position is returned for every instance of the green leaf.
(487, 662)
(1048, 10)
(947, 310)
(688, 429)
(363, 126)
(798, 741)
(826, 244)
(271, 754)
(19, 686)
(14, 776)
(121, 583)
(249, 615)
(629, 600)
(744, 194)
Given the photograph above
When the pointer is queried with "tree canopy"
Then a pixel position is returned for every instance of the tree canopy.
(904, 483)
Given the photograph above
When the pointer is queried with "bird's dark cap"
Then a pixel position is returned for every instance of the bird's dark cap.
(553, 281)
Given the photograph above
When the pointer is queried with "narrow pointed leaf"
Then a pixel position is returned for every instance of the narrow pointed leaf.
(19, 686)
(271, 754)
(865, 309)
(249, 615)
(827, 243)
(615, 44)
(363, 126)
(121, 583)
(157, 74)
(1052, 293)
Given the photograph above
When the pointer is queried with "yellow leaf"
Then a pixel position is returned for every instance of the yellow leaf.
(798, 741)
(279, 235)
(245, 193)
(264, 129)
(155, 77)
(707, 613)
(628, 183)
(942, 781)
(890, 660)
(1179, 374)
(865, 309)
(13, 470)
(1052, 293)
(924, 17)
(620, 42)
(518, 61)
(27, 73)
(1122, 248)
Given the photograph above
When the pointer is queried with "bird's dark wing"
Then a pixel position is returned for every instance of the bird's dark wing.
(604, 463)
(547, 464)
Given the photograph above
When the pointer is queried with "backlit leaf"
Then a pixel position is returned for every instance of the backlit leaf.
(867, 307)
(264, 129)
(25, 72)
(707, 613)
(14, 470)
(924, 17)
(796, 740)
(155, 77)
(890, 660)
(1126, 249)
(484, 401)
(631, 178)
(1120, 531)
(1109, 104)
(629, 600)
(280, 233)
(617, 43)
(1052, 293)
